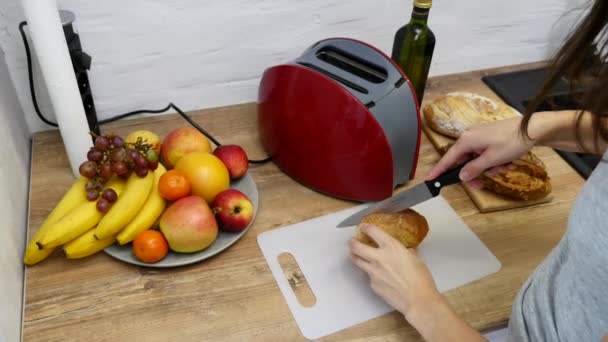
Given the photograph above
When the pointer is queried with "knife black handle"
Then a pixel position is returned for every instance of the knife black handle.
(449, 177)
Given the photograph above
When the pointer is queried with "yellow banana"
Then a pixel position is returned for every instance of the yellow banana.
(76, 195)
(127, 206)
(86, 244)
(78, 220)
(146, 217)
(33, 253)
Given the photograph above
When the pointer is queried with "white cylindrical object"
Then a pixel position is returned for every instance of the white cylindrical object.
(51, 48)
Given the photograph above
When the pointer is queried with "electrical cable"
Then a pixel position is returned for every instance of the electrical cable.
(31, 77)
(118, 117)
(183, 115)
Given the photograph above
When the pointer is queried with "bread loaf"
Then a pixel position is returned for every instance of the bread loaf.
(526, 178)
(454, 112)
(407, 226)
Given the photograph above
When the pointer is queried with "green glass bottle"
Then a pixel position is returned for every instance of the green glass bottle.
(413, 47)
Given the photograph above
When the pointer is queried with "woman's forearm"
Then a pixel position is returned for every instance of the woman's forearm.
(558, 130)
(437, 321)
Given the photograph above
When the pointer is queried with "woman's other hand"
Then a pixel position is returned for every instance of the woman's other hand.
(491, 144)
(396, 273)
(400, 277)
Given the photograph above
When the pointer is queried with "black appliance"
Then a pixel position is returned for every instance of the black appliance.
(519, 88)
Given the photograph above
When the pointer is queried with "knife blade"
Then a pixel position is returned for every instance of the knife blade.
(408, 198)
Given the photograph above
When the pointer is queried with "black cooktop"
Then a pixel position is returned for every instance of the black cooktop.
(519, 88)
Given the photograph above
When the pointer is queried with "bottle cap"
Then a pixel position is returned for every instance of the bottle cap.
(423, 3)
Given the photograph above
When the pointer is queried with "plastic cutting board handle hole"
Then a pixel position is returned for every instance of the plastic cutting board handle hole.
(296, 280)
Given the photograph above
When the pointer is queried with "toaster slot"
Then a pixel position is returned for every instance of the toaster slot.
(336, 77)
(352, 64)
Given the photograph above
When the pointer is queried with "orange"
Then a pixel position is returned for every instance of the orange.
(174, 185)
(150, 246)
(207, 173)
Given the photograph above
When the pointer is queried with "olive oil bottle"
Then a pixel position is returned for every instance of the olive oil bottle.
(413, 47)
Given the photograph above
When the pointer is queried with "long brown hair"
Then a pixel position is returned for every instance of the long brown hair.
(582, 61)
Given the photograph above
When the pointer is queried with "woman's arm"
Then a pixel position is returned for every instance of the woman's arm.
(404, 282)
(558, 130)
(401, 278)
(438, 322)
(500, 142)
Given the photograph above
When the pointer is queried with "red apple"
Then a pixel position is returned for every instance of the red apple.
(180, 142)
(235, 159)
(233, 210)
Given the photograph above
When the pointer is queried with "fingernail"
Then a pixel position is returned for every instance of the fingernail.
(465, 176)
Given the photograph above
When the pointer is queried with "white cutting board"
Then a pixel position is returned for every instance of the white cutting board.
(453, 253)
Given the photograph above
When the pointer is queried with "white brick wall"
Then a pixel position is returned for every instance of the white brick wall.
(202, 54)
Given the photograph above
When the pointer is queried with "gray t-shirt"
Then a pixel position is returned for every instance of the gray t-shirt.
(566, 297)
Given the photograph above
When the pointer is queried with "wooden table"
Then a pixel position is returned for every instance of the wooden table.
(233, 296)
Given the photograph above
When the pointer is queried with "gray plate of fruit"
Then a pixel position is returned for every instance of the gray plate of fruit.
(224, 239)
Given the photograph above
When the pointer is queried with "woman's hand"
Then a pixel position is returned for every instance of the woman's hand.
(493, 145)
(399, 276)
(396, 273)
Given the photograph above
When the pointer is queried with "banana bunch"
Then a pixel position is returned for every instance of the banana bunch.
(75, 196)
(78, 221)
(86, 244)
(77, 225)
(148, 215)
(137, 191)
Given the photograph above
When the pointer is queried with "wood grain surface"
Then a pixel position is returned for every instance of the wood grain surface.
(233, 296)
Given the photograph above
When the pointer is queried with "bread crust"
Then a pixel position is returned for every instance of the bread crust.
(407, 226)
(527, 179)
(454, 112)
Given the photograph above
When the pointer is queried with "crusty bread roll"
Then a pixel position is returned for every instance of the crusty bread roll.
(526, 180)
(407, 226)
(454, 112)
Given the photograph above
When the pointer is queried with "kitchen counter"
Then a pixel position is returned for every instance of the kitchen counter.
(233, 295)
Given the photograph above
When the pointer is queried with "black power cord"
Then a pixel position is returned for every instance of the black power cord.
(31, 78)
(118, 117)
(183, 115)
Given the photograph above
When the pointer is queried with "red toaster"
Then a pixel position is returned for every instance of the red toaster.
(342, 119)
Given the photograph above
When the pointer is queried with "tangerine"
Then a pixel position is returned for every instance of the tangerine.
(150, 246)
(174, 185)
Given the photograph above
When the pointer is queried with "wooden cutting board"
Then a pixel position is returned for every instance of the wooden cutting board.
(486, 201)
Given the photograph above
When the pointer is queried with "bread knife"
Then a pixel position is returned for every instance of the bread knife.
(407, 198)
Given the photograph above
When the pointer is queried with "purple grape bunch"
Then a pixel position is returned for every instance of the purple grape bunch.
(110, 156)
